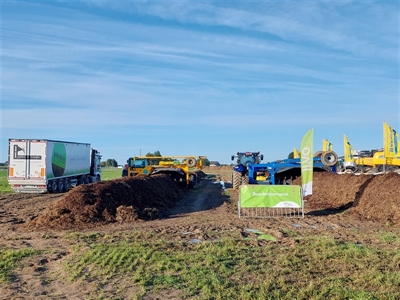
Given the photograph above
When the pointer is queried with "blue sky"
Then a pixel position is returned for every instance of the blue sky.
(200, 78)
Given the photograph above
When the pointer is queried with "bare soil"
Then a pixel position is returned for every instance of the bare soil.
(344, 206)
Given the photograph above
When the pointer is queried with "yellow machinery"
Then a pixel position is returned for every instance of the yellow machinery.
(378, 160)
(181, 168)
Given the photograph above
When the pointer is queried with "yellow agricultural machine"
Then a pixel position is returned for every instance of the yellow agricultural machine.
(183, 169)
(369, 160)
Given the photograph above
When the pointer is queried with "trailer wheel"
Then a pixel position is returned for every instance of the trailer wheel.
(54, 187)
(67, 185)
(61, 185)
(49, 189)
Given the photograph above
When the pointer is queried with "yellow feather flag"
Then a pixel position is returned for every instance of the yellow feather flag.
(296, 153)
(390, 143)
(326, 145)
(348, 150)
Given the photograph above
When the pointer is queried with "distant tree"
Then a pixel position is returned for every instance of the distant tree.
(206, 162)
(156, 153)
(291, 155)
(154, 161)
(111, 163)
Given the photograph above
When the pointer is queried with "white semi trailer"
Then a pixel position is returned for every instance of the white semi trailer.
(40, 166)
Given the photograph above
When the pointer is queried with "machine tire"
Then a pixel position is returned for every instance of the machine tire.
(191, 185)
(245, 179)
(329, 158)
(237, 180)
(191, 162)
(98, 179)
(61, 185)
(318, 153)
(193, 178)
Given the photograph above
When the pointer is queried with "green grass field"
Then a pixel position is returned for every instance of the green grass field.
(4, 186)
(107, 174)
(232, 268)
(110, 173)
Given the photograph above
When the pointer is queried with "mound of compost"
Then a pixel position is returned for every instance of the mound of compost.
(368, 197)
(120, 200)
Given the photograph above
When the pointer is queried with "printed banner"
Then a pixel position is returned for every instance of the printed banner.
(307, 162)
(270, 196)
(390, 141)
(348, 150)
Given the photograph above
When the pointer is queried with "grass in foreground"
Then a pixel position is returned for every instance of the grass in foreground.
(10, 259)
(232, 268)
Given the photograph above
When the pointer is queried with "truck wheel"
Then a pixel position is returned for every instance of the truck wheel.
(61, 185)
(237, 180)
(54, 187)
(83, 180)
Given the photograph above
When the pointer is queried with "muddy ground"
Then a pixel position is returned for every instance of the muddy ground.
(344, 206)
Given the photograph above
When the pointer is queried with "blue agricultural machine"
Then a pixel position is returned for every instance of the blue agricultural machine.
(241, 168)
(249, 169)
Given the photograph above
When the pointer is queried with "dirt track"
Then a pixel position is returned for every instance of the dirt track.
(345, 206)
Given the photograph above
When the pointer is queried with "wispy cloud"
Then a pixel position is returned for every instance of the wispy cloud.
(148, 67)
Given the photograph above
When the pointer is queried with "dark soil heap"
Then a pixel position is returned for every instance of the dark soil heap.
(368, 197)
(119, 200)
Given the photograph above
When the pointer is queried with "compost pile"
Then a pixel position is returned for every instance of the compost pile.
(367, 197)
(120, 200)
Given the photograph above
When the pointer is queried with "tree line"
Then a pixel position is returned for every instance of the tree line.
(113, 163)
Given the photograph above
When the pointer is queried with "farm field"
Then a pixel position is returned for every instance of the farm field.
(150, 239)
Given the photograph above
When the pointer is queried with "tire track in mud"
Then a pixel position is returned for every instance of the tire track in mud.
(205, 196)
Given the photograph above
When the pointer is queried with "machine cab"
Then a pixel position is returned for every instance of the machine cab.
(137, 162)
